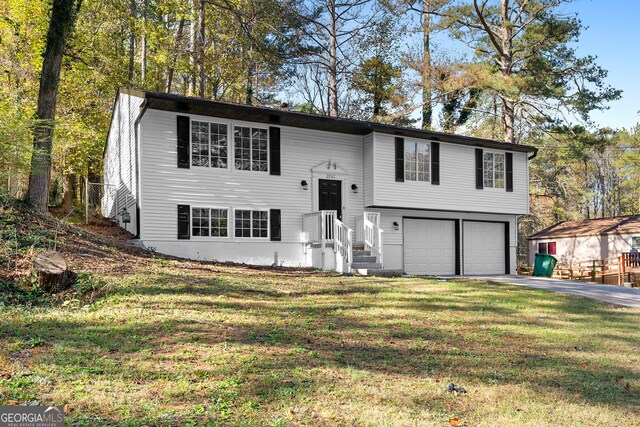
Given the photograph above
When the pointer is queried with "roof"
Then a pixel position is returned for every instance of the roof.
(627, 224)
(206, 107)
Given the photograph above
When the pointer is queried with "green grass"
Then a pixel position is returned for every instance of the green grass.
(183, 343)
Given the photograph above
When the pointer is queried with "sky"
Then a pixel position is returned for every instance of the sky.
(613, 35)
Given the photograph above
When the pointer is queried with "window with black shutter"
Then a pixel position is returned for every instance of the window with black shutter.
(479, 173)
(275, 216)
(184, 222)
(274, 151)
(435, 163)
(183, 141)
(399, 159)
(509, 171)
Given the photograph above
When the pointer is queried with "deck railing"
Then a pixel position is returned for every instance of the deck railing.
(622, 267)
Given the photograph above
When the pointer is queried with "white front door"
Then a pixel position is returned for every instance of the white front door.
(429, 246)
(484, 247)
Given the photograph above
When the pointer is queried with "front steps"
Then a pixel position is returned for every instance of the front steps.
(364, 264)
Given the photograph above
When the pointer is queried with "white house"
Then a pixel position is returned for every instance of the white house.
(587, 240)
(218, 181)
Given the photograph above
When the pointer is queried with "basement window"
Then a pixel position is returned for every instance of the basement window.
(547, 248)
(252, 223)
(209, 222)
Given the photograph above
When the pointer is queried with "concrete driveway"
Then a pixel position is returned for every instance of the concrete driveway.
(620, 295)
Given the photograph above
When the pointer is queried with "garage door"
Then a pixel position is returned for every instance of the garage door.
(483, 247)
(429, 246)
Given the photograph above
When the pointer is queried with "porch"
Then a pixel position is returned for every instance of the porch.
(332, 245)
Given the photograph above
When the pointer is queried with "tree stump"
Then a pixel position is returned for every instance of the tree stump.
(52, 271)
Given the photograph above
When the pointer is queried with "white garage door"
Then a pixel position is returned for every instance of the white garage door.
(483, 247)
(429, 246)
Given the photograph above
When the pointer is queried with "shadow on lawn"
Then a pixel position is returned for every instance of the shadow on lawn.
(295, 330)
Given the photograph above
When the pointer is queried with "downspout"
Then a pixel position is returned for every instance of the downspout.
(533, 156)
(136, 125)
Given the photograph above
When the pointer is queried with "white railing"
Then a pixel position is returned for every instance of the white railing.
(343, 242)
(318, 227)
(373, 235)
(324, 227)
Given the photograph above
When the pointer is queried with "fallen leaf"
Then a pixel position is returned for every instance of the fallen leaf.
(455, 422)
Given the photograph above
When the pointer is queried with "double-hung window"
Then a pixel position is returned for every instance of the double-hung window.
(251, 148)
(493, 170)
(210, 222)
(547, 248)
(250, 223)
(416, 161)
(208, 144)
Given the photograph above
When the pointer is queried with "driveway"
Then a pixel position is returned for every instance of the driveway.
(620, 295)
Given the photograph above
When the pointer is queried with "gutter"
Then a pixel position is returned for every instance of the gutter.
(533, 156)
(136, 126)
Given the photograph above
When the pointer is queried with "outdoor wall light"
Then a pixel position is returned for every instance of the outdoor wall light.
(304, 184)
(354, 188)
(396, 226)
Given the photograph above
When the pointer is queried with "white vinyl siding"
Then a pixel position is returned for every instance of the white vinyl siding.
(369, 177)
(165, 186)
(457, 190)
(120, 167)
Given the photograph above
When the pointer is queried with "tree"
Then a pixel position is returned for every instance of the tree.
(535, 73)
(63, 17)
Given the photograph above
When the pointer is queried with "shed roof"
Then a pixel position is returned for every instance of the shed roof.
(591, 227)
(207, 107)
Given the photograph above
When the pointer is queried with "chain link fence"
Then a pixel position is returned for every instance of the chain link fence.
(101, 200)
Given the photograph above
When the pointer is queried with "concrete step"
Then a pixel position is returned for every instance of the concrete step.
(365, 265)
(378, 272)
(361, 252)
(363, 258)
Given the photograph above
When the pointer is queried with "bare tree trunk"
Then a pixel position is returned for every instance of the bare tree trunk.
(427, 107)
(174, 57)
(132, 41)
(506, 62)
(63, 14)
(333, 61)
(193, 31)
(143, 67)
(67, 198)
(201, 30)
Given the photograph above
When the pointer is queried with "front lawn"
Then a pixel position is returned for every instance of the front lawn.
(183, 343)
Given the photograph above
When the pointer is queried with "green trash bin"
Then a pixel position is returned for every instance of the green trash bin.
(544, 265)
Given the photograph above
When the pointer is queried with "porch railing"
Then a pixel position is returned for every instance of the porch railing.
(373, 235)
(343, 241)
(318, 227)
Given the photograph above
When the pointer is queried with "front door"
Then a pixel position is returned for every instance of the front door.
(330, 192)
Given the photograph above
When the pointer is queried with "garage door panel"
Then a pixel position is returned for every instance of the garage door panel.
(429, 246)
(484, 247)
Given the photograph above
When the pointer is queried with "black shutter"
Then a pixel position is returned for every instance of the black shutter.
(274, 151)
(479, 174)
(509, 175)
(399, 159)
(184, 222)
(183, 142)
(276, 224)
(435, 163)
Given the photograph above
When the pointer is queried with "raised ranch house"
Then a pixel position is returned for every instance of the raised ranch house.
(591, 239)
(217, 181)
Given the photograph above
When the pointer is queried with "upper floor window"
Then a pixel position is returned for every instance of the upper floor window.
(493, 170)
(416, 161)
(208, 144)
(250, 146)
